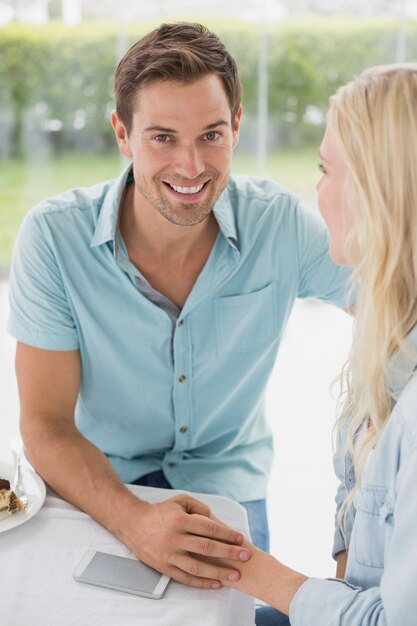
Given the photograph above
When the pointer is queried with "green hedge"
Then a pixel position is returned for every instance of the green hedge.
(67, 72)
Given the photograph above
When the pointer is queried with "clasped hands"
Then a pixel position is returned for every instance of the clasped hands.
(181, 538)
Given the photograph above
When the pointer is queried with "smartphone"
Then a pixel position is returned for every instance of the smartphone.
(122, 574)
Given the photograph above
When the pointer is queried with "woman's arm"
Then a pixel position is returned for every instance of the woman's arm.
(328, 602)
(341, 560)
(264, 577)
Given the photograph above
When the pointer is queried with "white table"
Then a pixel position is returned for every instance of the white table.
(37, 560)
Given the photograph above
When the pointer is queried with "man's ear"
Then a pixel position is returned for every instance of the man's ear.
(121, 135)
(236, 126)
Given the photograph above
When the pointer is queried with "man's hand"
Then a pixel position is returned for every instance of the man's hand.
(179, 536)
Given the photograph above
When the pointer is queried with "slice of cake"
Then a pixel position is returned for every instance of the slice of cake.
(8, 499)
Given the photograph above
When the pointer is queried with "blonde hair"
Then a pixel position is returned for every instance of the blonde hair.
(374, 118)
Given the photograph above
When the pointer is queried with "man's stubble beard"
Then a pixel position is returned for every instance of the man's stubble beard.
(187, 216)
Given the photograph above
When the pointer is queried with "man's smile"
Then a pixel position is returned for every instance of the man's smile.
(187, 192)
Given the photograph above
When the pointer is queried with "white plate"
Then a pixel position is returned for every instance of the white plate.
(35, 490)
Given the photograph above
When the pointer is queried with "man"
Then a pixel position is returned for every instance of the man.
(148, 313)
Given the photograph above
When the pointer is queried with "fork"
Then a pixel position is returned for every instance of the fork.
(17, 449)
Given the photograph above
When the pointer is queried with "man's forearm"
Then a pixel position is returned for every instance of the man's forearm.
(168, 535)
(79, 472)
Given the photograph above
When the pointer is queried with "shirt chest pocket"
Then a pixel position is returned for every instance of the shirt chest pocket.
(373, 520)
(246, 322)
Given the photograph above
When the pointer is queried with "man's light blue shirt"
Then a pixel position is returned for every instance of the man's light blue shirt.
(193, 407)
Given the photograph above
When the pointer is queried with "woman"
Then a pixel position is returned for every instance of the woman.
(368, 197)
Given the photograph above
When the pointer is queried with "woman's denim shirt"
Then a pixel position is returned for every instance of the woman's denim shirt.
(381, 531)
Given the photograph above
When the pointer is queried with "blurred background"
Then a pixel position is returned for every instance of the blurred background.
(57, 59)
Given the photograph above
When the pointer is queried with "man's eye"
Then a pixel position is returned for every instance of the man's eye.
(211, 135)
(162, 138)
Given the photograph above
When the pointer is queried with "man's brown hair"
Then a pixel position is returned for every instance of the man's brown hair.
(182, 52)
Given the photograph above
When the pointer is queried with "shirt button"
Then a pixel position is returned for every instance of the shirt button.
(183, 429)
(182, 378)
(181, 322)
(171, 465)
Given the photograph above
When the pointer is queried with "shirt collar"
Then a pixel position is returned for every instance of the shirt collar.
(402, 366)
(106, 227)
(225, 217)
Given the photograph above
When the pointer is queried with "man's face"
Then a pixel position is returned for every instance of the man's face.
(181, 143)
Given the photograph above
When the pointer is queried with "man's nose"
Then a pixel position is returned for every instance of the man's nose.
(189, 162)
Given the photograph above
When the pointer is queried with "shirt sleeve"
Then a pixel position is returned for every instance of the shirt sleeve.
(343, 467)
(332, 601)
(319, 276)
(394, 601)
(40, 314)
